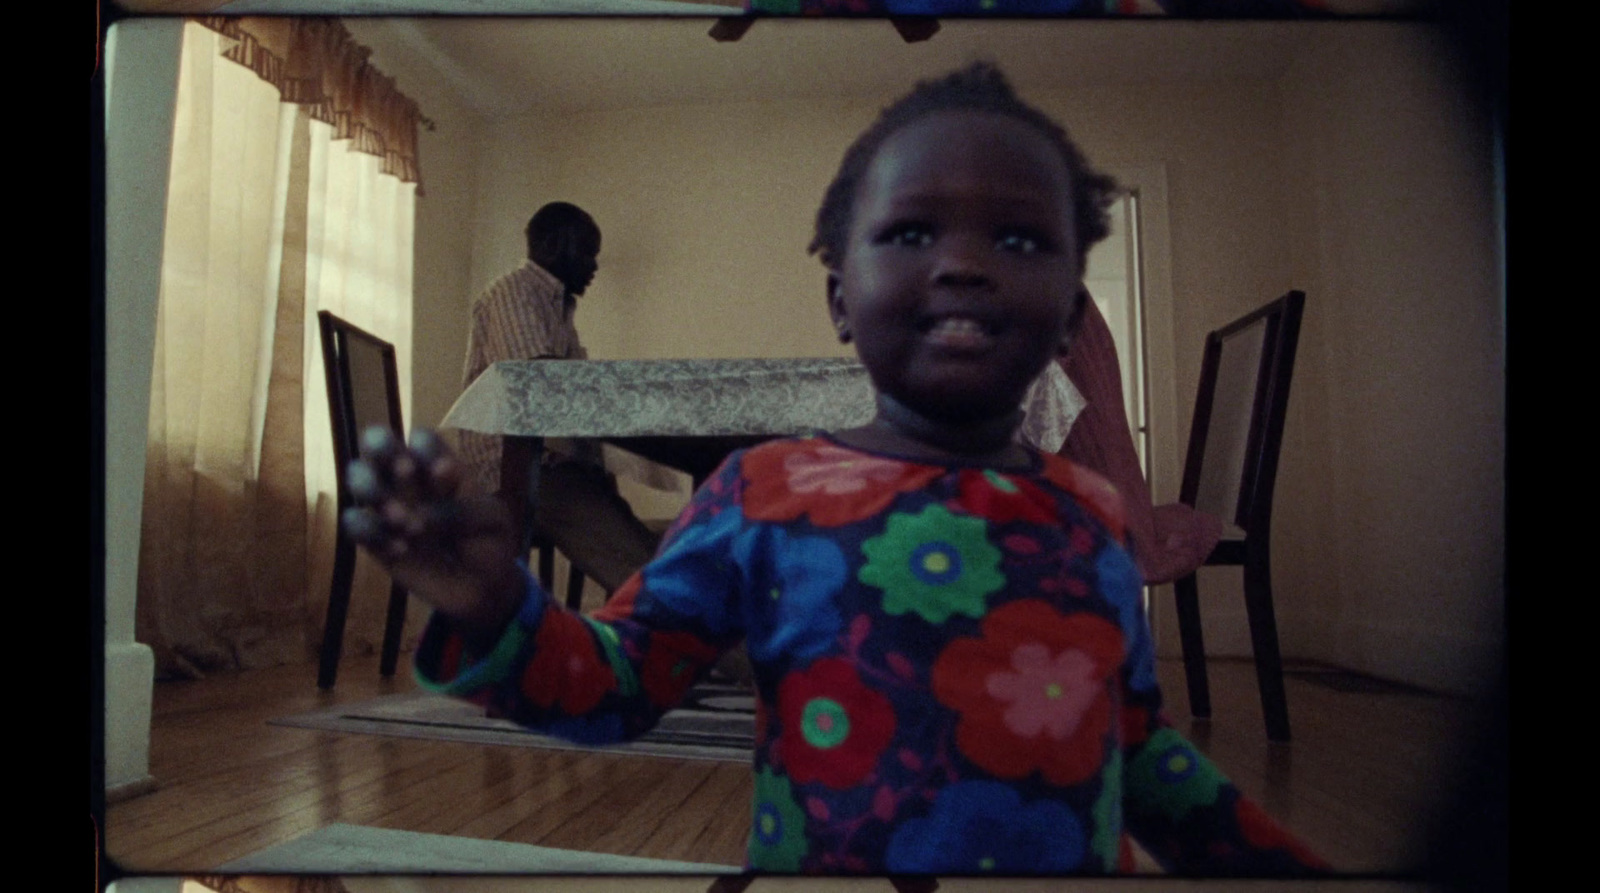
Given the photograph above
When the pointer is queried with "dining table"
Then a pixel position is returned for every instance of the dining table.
(686, 415)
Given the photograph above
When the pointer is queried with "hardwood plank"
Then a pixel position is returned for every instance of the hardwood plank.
(1358, 783)
(696, 818)
(660, 806)
(589, 810)
(566, 773)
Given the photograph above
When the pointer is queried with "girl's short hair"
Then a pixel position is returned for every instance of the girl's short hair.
(979, 87)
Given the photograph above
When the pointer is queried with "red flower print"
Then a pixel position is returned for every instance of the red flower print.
(1001, 498)
(567, 666)
(763, 724)
(832, 484)
(621, 603)
(1095, 492)
(672, 662)
(1260, 831)
(1033, 692)
(1136, 725)
(834, 728)
(450, 658)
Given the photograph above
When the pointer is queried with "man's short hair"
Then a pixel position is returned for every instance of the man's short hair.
(559, 229)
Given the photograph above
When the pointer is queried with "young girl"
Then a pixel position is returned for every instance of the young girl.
(953, 672)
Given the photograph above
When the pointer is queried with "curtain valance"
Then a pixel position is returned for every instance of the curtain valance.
(315, 63)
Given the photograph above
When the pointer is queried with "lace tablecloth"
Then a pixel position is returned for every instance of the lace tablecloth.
(624, 400)
(665, 398)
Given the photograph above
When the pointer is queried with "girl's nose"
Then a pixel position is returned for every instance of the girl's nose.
(960, 262)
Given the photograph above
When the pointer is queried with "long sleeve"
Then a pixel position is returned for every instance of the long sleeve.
(608, 676)
(1177, 803)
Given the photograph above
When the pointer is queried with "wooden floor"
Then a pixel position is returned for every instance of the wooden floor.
(1358, 783)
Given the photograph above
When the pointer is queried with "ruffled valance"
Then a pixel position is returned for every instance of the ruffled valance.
(315, 63)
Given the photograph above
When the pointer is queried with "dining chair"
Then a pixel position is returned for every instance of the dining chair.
(363, 390)
(547, 571)
(1229, 471)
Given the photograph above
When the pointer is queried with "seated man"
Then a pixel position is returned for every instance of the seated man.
(526, 315)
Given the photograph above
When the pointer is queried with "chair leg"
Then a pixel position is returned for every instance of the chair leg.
(1264, 641)
(574, 589)
(344, 570)
(547, 568)
(393, 626)
(1186, 591)
(731, 883)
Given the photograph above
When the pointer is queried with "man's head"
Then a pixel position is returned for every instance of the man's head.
(564, 239)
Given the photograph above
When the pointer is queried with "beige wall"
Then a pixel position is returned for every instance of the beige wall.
(1394, 237)
(706, 212)
(1348, 179)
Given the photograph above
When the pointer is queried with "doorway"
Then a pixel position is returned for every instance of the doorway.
(1113, 278)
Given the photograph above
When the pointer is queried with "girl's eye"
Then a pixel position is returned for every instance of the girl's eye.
(910, 234)
(1022, 243)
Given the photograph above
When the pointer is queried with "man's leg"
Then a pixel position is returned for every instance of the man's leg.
(581, 512)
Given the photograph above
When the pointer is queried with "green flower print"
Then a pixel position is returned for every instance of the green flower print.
(1108, 813)
(934, 563)
(778, 832)
(1172, 776)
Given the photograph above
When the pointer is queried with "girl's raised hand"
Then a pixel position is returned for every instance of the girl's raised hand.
(456, 553)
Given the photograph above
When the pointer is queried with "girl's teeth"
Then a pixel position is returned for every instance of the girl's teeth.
(953, 326)
(959, 333)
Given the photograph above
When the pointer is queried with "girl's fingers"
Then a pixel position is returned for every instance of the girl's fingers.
(444, 478)
(363, 482)
(379, 443)
(426, 444)
(418, 471)
(363, 526)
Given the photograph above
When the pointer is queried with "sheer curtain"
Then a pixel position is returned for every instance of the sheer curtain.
(276, 209)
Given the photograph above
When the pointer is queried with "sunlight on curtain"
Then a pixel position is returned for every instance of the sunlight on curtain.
(268, 221)
(362, 274)
(199, 606)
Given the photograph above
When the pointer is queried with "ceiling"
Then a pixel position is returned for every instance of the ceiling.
(500, 66)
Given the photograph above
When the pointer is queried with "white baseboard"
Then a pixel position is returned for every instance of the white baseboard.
(130, 680)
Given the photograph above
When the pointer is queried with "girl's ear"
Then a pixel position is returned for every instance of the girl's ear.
(836, 311)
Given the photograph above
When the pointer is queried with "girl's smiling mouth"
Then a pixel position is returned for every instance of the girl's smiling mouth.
(957, 332)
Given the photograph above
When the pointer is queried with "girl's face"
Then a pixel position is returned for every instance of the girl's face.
(960, 268)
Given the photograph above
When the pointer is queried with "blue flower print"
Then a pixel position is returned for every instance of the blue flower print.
(1124, 587)
(984, 827)
(605, 728)
(801, 622)
(693, 576)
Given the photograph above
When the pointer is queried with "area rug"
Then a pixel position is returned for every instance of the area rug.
(716, 722)
(356, 849)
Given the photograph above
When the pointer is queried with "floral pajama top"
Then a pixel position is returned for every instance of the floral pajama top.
(954, 675)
